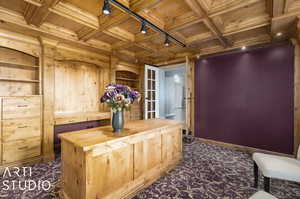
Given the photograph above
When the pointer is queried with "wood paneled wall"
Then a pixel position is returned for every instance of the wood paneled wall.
(72, 78)
(77, 87)
(296, 96)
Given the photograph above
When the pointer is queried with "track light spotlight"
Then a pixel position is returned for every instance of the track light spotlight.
(144, 28)
(167, 42)
(106, 7)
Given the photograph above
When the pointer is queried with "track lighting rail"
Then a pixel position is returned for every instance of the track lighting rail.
(145, 21)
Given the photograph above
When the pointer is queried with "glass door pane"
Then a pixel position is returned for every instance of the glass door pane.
(151, 92)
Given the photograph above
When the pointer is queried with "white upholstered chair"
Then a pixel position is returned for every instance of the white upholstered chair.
(274, 166)
(262, 195)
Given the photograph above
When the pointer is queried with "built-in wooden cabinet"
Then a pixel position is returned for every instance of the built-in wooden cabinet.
(20, 128)
(133, 80)
(21, 107)
(107, 166)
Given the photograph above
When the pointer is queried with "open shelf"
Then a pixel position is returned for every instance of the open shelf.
(126, 79)
(133, 81)
(16, 65)
(18, 80)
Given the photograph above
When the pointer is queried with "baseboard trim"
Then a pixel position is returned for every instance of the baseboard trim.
(242, 148)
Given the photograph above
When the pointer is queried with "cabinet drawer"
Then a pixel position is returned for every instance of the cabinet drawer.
(20, 107)
(18, 129)
(21, 150)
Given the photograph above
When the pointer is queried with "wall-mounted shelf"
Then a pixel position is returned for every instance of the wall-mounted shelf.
(17, 65)
(126, 79)
(18, 80)
(132, 80)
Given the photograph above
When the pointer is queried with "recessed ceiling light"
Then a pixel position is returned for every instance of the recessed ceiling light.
(278, 34)
(244, 48)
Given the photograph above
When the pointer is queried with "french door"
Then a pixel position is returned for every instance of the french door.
(151, 92)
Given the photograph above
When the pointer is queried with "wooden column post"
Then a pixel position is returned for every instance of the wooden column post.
(48, 65)
(142, 89)
(190, 94)
(193, 65)
(113, 65)
(296, 96)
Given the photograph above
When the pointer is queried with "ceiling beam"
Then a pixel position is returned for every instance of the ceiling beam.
(14, 21)
(37, 3)
(37, 15)
(201, 13)
(179, 23)
(75, 14)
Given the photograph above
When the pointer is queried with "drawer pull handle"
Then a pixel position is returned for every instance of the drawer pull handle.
(22, 106)
(22, 148)
(22, 127)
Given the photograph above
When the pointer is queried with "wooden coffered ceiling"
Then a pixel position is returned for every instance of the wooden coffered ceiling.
(205, 26)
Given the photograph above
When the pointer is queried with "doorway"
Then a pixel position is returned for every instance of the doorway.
(172, 92)
(165, 92)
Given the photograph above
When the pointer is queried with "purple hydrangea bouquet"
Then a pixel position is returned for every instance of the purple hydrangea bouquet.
(119, 98)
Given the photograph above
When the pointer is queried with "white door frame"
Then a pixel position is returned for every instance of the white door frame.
(156, 69)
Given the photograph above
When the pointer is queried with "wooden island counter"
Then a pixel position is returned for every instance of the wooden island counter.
(97, 164)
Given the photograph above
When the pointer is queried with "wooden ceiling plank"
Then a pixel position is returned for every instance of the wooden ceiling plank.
(40, 14)
(287, 5)
(278, 8)
(14, 19)
(29, 12)
(146, 47)
(249, 24)
(229, 8)
(76, 14)
(34, 2)
(121, 34)
(200, 37)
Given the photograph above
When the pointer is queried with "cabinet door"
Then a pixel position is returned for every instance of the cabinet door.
(108, 172)
(147, 154)
(171, 146)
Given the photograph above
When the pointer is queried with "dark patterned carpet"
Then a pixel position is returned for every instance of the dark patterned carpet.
(206, 172)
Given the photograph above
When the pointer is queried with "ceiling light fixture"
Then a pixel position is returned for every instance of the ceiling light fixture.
(244, 48)
(106, 8)
(167, 42)
(144, 28)
(140, 18)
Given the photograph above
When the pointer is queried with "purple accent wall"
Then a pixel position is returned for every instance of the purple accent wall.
(247, 98)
